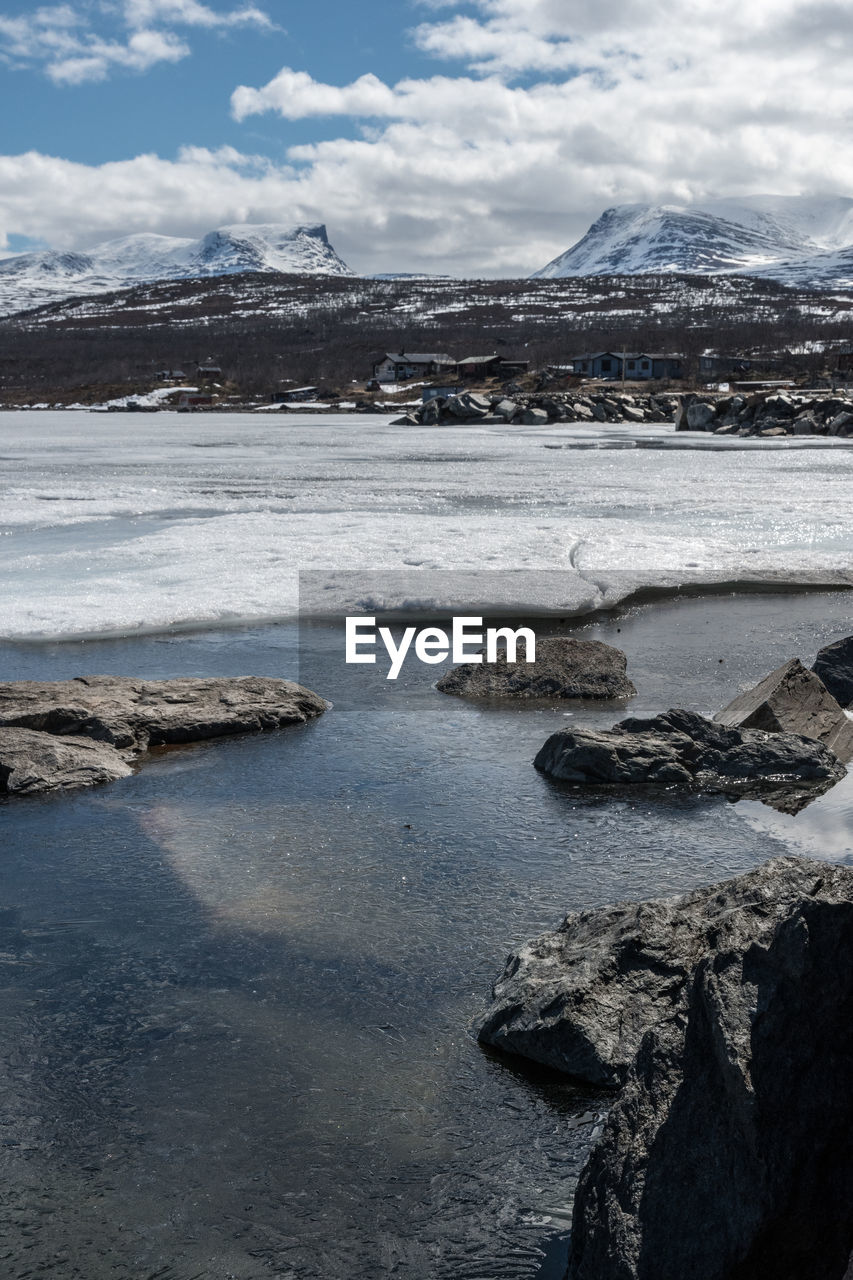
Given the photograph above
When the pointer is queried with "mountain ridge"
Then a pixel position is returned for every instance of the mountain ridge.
(34, 279)
(799, 240)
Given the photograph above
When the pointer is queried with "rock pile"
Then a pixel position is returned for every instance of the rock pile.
(540, 409)
(56, 735)
(728, 1015)
(767, 414)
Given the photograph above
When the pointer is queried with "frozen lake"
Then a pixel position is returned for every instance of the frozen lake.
(113, 522)
(238, 987)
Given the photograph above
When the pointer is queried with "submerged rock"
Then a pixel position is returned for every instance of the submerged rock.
(686, 750)
(793, 700)
(32, 762)
(564, 668)
(125, 716)
(834, 666)
(728, 1015)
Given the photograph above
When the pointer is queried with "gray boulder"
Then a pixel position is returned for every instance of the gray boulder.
(633, 413)
(32, 762)
(582, 412)
(806, 424)
(728, 1154)
(685, 750)
(701, 416)
(130, 716)
(534, 417)
(792, 700)
(468, 405)
(506, 409)
(841, 424)
(564, 668)
(834, 666)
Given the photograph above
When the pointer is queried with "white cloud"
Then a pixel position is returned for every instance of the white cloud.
(72, 50)
(560, 109)
(621, 101)
(190, 13)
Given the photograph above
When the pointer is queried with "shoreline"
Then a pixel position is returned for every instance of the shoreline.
(406, 613)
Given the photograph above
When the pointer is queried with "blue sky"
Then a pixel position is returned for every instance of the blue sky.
(476, 138)
(173, 104)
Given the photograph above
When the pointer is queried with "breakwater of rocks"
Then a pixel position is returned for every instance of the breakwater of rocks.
(540, 409)
(763, 413)
(760, 413)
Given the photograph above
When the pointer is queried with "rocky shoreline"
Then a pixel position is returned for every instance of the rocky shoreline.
(721, 1017)
(55, 736)
(766, 414)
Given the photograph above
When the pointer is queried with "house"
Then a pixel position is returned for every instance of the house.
(170, 375)
(398, 366)
(640, 366)
(653, 364)
(598, 364)
(710, 364)
(480, 368)
(189, 400)
(208, 370)
(844, 360)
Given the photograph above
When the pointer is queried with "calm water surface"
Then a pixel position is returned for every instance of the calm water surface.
(238, 987)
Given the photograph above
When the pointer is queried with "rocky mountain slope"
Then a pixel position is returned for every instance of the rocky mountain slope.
(800, 240)
(34, 279)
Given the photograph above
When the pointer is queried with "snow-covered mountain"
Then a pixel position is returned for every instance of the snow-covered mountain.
(33, 279)
(793, 239)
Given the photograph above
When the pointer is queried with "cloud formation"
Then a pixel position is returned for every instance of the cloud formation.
(556, 110)
(64, 40)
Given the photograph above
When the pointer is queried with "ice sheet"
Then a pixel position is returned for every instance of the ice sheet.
(116, 523)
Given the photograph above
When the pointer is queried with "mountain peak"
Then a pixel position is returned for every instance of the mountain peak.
(32, 279)
(770, 235)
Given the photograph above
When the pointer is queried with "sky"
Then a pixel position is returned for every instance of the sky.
(478, 138)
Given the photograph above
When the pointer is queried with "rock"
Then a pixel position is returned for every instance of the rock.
(409, 420)
(806, 424)
(781, 405)
(728, 1155)
(775, 430)
(431, 411)
(564, 668)
(534, 417)
(599, 413)
(792, 700)
(727, 429)
(468, 405)
(840, 425)
(633, 413)
(700, 416)
(133, 715)
(685, 750)
(834, 666)
(506, 409)
(32, 762)
(583, 412)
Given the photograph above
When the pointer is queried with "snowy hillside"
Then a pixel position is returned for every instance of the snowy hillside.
(33, 279)
(793, 239)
